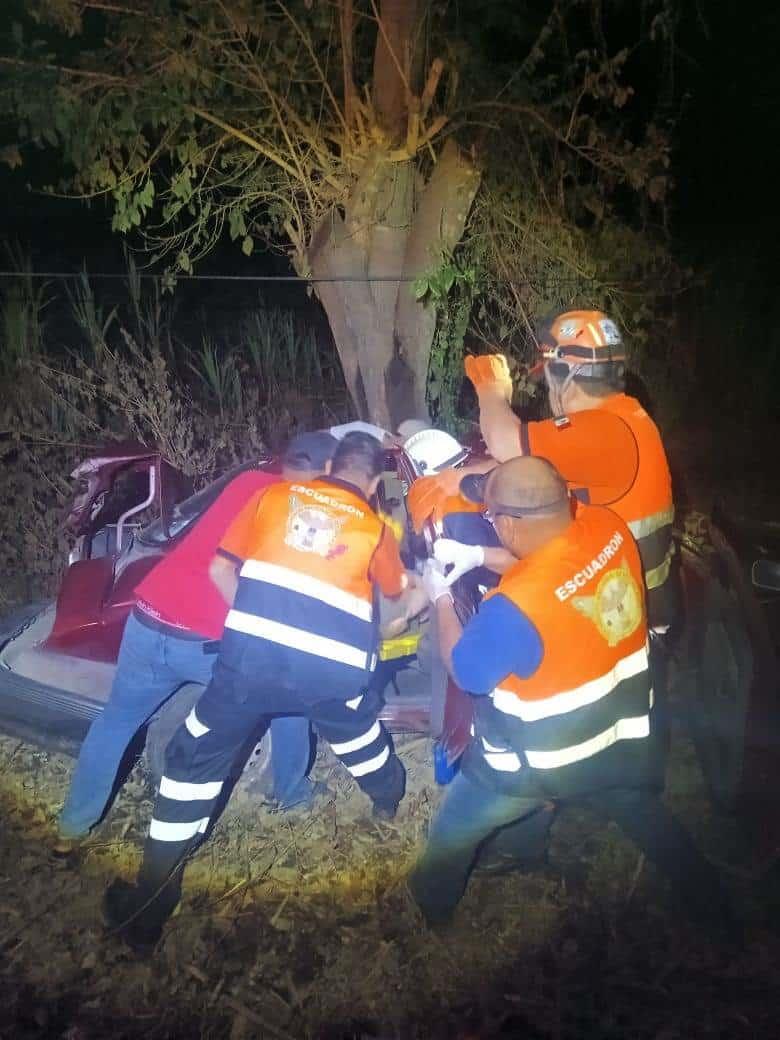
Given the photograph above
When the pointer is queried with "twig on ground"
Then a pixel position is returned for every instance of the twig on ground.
(279, 910)
(258, 1020)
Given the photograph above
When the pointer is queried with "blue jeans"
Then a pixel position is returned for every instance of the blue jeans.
(468, 815)
(150, 668)
(291, 757)
(471, 814)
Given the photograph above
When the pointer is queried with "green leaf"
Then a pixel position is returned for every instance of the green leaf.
(247, 245)
(420, 287)
(236, 224)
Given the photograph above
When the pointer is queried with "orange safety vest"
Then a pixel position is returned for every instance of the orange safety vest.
(647, 507)
(582, 719)
(305, 583)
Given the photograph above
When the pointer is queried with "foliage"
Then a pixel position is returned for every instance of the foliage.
(131, 376)
(277, 123)
(451, 288)
(22, 314)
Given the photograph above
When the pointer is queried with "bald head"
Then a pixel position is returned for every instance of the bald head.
(529, 502)
(528, 485)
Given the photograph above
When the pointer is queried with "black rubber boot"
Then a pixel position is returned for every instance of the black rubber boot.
(139, 922)
(384, 810)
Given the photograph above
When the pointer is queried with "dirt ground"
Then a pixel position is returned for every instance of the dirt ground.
(297, 926)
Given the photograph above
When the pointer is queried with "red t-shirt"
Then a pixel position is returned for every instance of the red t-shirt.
(178, 591)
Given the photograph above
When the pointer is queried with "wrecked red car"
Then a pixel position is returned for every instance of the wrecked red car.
(131, 506)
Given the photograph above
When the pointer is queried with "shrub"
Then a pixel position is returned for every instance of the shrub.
(127, 375)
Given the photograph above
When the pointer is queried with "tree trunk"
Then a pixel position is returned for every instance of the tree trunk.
(387, 231)
(392, 65)
(439, 223)
(390, 226)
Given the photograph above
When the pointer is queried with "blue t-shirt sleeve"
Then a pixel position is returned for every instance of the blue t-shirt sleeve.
(498, 641)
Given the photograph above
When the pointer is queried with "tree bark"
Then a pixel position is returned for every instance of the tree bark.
(438, 225)
(394, 41)
(386, 231)
(325, 261)
(390, 227)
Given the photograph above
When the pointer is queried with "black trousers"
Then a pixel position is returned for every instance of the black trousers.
(233, 714)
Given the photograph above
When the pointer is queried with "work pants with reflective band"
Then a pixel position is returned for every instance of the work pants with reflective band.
(218, 734)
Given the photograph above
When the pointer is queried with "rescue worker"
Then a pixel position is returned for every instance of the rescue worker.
(171, 639)
(583, 363)
(557, 657)
(300, 565)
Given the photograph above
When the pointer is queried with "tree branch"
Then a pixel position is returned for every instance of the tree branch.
(98, 77)
(391, 89)
(346, 24)
(307, 44)
(252, 142)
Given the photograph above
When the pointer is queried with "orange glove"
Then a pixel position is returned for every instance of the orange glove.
(435, 496)
(489, 371)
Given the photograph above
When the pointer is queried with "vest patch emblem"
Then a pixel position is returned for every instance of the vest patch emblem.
(616, 607)
(312, 529)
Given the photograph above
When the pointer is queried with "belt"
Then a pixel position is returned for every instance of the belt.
(156, 625)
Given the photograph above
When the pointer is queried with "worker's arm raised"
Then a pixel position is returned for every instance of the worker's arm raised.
(499, 425)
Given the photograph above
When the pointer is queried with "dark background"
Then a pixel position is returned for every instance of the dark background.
(723, 92)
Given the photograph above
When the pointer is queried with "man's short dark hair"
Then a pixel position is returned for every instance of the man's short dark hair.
(358, 453)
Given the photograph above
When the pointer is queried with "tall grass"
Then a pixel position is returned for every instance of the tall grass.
(105, 371)
(22, 322)
(283, 350)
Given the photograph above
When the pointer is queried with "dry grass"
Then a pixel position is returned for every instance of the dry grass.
(299, 926)
(126, 374)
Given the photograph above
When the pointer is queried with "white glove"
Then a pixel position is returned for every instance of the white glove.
(435, 583)
(459, 556)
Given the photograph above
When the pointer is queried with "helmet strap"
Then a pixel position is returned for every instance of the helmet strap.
(556, 390)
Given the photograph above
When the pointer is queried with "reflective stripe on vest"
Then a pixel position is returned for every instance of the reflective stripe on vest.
(570, 700)
(623, 729)
(306, 585)
(656, 576)
(592, 688)
(297, 639)
(504, 760)
(507, 761)
(654, 540)
(648, 524)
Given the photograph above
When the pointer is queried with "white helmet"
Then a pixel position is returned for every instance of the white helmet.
(434, 450)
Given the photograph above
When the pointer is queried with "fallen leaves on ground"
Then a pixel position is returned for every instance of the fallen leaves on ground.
(298, 926)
